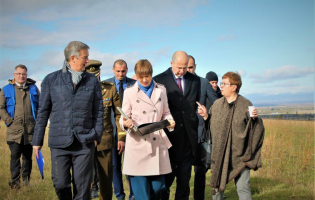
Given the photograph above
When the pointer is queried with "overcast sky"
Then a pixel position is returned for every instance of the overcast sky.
(269, 42)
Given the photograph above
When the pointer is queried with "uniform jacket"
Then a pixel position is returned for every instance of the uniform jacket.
(146, 155)
(233, 147)
(129, 83)
(73, 112)
(18, 106)
(111, 100)
(183, 108)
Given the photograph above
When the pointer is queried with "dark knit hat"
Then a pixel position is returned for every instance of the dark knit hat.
(212, 76)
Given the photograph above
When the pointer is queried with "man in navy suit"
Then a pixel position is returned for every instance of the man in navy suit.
(183, 90)
(121, 82)
(208, 94)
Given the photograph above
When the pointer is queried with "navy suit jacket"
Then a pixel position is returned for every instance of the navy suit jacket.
(129, 82)
(207, 93)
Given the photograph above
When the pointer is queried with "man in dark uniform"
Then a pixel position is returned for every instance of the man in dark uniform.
(111, 100)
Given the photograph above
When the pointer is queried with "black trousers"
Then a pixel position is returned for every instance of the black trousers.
(200, 183)
(182, 171)
(80, 159)
(15, 164)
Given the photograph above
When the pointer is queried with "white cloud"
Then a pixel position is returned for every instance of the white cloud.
(52, 60)
(36, 22)
(282, 73)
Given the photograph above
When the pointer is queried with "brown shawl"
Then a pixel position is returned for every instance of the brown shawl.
(237, 140)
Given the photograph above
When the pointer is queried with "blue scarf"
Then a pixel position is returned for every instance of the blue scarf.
(147, 90)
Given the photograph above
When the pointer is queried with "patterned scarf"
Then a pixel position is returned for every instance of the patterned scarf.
(76, 76)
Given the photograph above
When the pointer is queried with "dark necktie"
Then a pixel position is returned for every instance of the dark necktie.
(180, 84)
(121, 91)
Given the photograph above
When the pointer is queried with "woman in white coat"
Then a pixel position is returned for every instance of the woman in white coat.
(146, 157)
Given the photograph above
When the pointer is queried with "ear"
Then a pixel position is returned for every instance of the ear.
(234, 88)
(172, 63)
(72, 58)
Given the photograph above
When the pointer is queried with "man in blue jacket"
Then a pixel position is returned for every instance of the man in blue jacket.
(72, 99)
(18, 107)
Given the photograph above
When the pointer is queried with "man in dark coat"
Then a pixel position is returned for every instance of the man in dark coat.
(18, 108)
(208, 94)
(72, 99)
(121, 81)
(183, 90)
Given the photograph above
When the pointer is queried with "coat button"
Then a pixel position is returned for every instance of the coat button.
(159, 99)
(138, 101)
(155, 111)
(183, 111)
(181, 125)
(154, 138)
(144, 112)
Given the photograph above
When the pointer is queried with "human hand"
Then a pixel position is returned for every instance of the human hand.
(172, 123)
(128, 123)
(255, 113)
(95, 142)
(202, 111)
(35, 149)
(120, 147)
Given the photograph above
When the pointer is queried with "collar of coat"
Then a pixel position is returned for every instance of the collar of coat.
(155, 97)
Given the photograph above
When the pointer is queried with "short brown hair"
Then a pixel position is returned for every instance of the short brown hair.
(143, 67)
(120, 62)
(235, 79)
(21, 66)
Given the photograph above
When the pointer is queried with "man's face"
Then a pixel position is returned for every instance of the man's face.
(20, 75)
(191, 65)
(120, 71)
(214, 85)
(180, 67)
(78, 64)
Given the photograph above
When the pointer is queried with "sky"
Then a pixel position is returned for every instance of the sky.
(269, 42)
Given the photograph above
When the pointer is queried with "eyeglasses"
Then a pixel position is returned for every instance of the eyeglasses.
(224, 84)
(190, 67)
(20, 74)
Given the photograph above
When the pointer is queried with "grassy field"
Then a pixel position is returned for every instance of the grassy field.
(287, 173)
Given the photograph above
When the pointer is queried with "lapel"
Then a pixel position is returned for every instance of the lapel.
(142, 96)
(156, 94)
(187, 83)
(172, 84)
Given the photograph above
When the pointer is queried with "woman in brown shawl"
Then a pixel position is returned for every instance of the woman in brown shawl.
(236, 137)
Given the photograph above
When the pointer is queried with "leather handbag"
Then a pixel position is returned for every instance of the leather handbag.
(204, 149)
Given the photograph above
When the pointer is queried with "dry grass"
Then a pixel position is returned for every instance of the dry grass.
(288, 171)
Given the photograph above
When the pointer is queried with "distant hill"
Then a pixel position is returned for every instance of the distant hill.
(281, 99)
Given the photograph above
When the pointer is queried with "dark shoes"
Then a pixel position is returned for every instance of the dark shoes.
(15, 185)
(94, 194)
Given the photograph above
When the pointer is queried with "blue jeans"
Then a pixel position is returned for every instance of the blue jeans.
(147, 187)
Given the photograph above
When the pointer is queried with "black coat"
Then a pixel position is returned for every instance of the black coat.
(183, 109)
(73, 113)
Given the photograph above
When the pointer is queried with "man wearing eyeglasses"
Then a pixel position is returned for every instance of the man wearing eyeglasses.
(18, 108)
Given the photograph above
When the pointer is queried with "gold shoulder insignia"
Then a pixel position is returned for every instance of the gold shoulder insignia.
(107, 83)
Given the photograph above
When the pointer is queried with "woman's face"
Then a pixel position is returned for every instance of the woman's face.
(226, 88)
(144, 79)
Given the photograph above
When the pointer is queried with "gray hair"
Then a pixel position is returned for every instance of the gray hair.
(73, 49)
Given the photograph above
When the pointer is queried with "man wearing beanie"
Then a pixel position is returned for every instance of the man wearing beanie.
(213, 80)
(111, 101)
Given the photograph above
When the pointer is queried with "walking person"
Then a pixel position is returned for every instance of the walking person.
(146, 157)
(72, 99)
(237, 139)
(18, 109)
